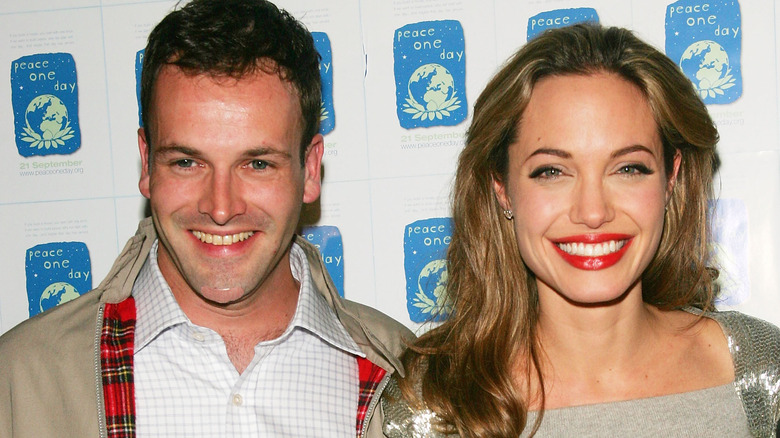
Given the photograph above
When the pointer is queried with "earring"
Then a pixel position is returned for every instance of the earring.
(509, 215)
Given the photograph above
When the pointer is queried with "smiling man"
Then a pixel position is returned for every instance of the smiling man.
(216, 320)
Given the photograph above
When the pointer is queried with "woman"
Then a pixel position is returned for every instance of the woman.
(578, 264)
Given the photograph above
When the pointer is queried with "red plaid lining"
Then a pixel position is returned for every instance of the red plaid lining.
(116, 363)
(370, 376)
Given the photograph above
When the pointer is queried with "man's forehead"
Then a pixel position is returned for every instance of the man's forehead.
(226, 80)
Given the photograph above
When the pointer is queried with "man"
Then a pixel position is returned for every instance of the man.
(215, 320)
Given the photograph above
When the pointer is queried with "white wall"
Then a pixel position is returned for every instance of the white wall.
(380, 177)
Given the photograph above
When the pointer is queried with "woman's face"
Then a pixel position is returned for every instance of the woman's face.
(587, 186)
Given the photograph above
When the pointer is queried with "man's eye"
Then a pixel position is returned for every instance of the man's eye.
(185, 162)
(259, 164)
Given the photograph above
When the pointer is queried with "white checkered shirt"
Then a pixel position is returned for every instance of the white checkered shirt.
(303, 384)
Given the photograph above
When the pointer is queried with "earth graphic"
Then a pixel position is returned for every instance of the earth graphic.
(56, 294)
(47, 116)
(432, 282)
(431, 85)
(705, 63)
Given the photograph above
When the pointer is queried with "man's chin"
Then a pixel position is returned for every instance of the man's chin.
(222, 295)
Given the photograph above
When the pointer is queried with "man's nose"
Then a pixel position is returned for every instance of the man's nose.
(222, 197)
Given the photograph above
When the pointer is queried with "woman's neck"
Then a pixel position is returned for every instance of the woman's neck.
(596, 353)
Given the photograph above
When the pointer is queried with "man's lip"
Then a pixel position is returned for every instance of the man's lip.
(592, 238)
(221, 238)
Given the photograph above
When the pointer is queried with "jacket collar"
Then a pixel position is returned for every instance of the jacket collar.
(118, 285)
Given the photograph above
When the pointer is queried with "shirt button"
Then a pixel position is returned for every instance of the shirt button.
(198, 336)
(237, 400)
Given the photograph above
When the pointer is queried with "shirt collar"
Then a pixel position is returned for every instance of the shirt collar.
(158, 310)
(312, 312)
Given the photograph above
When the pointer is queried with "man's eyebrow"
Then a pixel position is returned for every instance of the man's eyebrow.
(550, 151)
(175, 148)
(262, 151)
(192, 152)
(631, 149)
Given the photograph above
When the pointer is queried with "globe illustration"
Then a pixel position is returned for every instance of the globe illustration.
(46, 115)
(432, 283)
(56, 294)
(432, 86)
(706, 63)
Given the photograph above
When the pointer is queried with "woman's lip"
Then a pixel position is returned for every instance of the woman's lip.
(594, 263)
(593, 238)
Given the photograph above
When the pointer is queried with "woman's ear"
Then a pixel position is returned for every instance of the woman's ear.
(671, 181)
(500, 190)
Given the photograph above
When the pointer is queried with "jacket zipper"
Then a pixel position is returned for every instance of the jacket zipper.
(98, 375)
(374, 402)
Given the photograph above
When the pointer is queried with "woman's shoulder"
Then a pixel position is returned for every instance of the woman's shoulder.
(755, 348)
(748, 336)
(402, 419)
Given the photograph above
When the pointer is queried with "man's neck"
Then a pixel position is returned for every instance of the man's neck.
(263, 315)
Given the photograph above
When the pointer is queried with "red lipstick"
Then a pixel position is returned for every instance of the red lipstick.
(593, 263)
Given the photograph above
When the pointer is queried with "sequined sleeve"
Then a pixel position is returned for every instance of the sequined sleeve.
(404, 421)
(755, 348)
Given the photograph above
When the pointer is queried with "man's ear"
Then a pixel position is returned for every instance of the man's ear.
(312, 168)
(143, 148)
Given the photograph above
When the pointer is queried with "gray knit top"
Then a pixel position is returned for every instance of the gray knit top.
(750, 406)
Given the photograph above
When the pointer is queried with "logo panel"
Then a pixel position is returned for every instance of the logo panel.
(44, 95)
(425, 266)
(139, 65)
(559, 18)
(327, 114)
(729, 250)
(430, 74)
(705, 39)
(327, 239)
(56, 272)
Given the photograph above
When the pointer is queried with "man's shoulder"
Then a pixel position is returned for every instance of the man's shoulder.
(376, 320)
(54, 332)
(383, 332)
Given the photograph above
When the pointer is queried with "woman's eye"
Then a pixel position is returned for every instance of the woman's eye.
(547, 172)
(634, 169)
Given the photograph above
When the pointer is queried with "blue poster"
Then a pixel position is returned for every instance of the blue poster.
(425, 266)
(139, 66)
(328, 240)
(56, 272)
(729, 250)
(559, 18)
(705, 39)
(430, 74)
(327, 115)
(45, 99)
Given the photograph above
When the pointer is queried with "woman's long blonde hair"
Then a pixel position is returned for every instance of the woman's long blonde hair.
(466, 364)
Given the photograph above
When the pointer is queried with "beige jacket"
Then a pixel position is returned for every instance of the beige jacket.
(50, 381)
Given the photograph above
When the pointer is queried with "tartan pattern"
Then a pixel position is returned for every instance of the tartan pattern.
(370, 376)
(116, 364)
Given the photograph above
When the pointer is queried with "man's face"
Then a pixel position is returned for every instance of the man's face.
(225, 182)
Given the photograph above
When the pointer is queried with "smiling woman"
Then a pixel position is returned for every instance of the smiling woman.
(582, 299)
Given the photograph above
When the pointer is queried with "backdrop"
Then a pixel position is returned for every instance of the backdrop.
(400, 79)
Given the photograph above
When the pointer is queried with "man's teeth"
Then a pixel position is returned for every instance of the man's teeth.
(227, 239)
(591, 249)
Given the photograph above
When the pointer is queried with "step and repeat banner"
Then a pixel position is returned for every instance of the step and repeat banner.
(399, 81)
